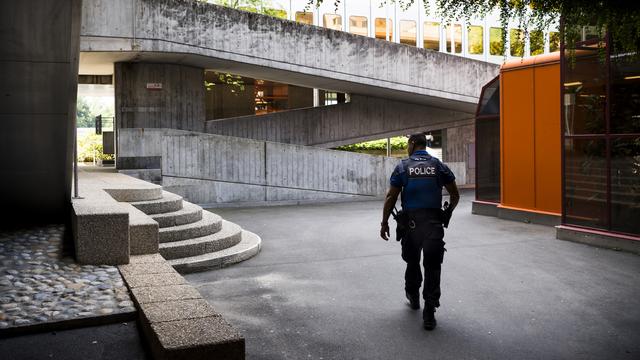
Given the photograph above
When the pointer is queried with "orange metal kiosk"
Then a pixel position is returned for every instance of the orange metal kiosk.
(529, 141)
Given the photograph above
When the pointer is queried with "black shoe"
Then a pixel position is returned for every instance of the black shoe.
(429, 318)
(414, 301)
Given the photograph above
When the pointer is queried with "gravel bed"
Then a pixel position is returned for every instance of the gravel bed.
(40, 283)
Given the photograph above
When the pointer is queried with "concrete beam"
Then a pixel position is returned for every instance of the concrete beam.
(258, 46)
(364, 118)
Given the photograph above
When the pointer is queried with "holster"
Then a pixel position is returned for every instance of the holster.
(402, 224)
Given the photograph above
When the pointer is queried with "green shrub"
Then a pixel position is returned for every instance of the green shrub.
(90, 145)
(397, 143)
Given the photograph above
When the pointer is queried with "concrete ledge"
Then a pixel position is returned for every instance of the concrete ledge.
(175, 320)
(484, 208)
(143, 232)
(176, 310)
(145, 280)
(142, 193)
(598, 238)
(68, 324)
(528, 216)
(101, 236)
(206, 338)
(169, 202)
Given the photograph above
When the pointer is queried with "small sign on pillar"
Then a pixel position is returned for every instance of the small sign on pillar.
(154, 86)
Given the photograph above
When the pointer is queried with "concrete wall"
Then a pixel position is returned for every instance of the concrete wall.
(364, 118)
(210, 169)
(38, 84)
(178, 105)
(263, 47)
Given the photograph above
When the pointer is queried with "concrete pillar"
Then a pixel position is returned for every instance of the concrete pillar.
(458, 148)
(38, 86)
(159, 96)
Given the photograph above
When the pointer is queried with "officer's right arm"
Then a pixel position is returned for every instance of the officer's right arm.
(389, 204)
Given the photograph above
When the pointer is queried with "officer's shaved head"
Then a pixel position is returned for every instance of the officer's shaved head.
(419, 140)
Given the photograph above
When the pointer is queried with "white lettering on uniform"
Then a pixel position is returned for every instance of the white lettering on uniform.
(430, 170)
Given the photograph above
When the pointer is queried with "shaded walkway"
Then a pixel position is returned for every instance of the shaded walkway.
(325, 286)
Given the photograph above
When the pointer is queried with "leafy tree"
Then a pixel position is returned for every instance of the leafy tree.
(620, 18)
(264, 7)
(83, 113)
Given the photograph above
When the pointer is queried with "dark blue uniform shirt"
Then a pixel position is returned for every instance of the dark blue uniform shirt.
(421, 177)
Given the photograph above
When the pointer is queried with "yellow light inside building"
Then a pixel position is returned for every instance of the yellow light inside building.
(632, 77)
(577, 83)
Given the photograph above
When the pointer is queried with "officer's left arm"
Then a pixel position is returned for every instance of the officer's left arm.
(389, 204)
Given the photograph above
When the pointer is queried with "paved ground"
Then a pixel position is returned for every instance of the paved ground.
(108, 342)
(327, 287)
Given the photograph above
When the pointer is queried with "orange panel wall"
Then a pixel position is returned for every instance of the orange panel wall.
(530, 137)
(547, 138)
(516, 131)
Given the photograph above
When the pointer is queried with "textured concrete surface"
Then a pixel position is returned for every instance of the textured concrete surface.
(163, 279)
(176, 322)
(200, 338)
(118, 341)
(326, 286)
(264, 47)
(363, 118)
(39, 77)
(248, 247)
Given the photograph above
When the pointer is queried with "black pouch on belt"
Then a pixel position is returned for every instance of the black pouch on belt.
(402, 223)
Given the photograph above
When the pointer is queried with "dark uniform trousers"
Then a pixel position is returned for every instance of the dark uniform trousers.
(424, 235)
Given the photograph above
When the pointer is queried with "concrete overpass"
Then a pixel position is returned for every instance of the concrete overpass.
(219, 38)
(394, 88)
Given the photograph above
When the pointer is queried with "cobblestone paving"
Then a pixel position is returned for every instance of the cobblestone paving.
(39, 283)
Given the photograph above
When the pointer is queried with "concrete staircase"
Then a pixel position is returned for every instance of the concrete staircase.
(192, 239)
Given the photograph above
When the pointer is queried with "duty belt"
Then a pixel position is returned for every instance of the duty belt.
(433, 216)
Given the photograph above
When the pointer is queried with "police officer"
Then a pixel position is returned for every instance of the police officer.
(420, 178)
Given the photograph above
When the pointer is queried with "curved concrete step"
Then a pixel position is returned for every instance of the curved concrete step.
(189, 213)
(228, 236)
(209, 224)
(149, 192)
(248, 247)
(168, 203)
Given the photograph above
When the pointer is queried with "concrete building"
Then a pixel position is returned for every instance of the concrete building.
(270, 80)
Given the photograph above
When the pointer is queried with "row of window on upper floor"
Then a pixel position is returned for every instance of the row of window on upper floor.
(433, 31)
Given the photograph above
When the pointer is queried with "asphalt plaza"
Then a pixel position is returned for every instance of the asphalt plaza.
(325, 286)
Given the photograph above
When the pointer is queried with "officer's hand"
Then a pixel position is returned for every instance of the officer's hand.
(384, 231)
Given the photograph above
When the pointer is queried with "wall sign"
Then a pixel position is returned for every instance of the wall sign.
(154, 86)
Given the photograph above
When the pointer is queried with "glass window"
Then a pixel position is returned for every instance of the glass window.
(625, 185)
(431, 35)
(330, 98)
(476, 40)
(488, 144)
(516, 42)
(332, 21)
(625, 95)
(359, 25)
(536, 42)
(381, 28)
(408, 32)
(585, 172)
(554, 41)
(454, 38)
(304, 17)
(496, 45)
(585, 94)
